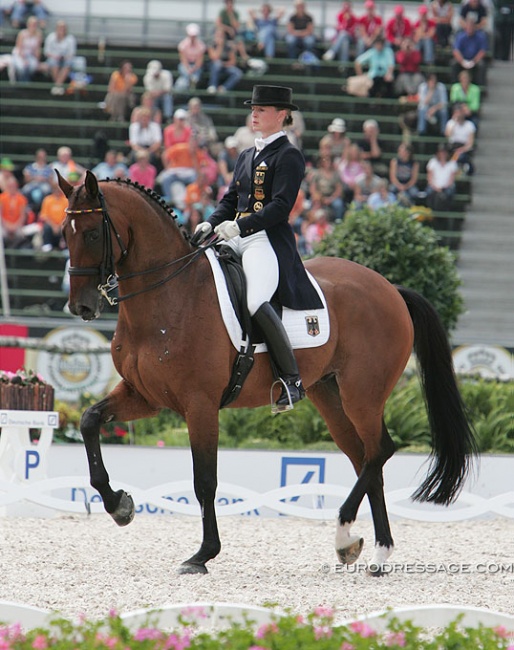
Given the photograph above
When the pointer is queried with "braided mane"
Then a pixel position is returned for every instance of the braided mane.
(146, 191)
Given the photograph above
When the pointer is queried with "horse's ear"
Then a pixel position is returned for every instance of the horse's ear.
(66, 188)
(91, 184)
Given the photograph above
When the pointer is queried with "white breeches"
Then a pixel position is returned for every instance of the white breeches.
(260, 265)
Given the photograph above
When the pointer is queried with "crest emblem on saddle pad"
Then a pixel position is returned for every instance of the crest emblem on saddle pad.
(312, 325)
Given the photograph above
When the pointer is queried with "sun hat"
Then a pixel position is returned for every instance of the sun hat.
(192, 29)
(180, 114)
(338, 125)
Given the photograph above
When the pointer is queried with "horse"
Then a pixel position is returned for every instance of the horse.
(172, 350)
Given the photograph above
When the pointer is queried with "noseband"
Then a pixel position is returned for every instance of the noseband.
(106, 270)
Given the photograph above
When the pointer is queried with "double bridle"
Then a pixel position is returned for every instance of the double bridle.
(109, 279)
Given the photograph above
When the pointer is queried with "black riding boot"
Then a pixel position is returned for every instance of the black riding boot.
(282, 356)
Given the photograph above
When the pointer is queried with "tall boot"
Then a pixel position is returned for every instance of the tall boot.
(282, 356)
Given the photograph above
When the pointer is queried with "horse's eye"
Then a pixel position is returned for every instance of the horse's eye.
(91, 236)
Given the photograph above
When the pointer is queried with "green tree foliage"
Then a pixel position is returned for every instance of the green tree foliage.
(404, 251)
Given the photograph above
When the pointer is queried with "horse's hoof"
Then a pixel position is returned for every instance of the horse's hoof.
(125, 511)
(188, 568)
(376, 571)
(350, 554)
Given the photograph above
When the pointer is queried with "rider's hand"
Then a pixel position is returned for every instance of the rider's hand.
(227, 230)
(202, 231)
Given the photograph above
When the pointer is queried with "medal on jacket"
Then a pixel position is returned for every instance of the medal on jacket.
(258, 178)
(258, 193)
(257, 206)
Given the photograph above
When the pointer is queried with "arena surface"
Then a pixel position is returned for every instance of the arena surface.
(78, 564)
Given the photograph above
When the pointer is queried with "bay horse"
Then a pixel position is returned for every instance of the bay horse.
(172, 350)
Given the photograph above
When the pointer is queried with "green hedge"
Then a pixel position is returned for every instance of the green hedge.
(490, 404)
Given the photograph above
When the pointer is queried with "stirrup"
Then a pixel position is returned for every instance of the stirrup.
(281, 408)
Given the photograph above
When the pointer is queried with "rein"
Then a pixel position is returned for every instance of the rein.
(108, 277)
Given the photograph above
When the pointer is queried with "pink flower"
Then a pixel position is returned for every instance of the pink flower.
(40, 642)
(265, 629)
(347, 646)
(501, 631)
(300, 620)
(175, 642)
(256, 647)
(112, 613)
(161, 443)
(147, 633)
(322, 632)
(395, 639)
(321, 611)
(363, 629)
(192, 612)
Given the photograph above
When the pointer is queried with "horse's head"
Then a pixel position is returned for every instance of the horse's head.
(88, 231)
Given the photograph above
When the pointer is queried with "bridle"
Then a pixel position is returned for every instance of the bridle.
(109, 279)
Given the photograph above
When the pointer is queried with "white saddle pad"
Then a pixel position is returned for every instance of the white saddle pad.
(306, 328)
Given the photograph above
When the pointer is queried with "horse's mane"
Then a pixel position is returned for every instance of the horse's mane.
(145, 191)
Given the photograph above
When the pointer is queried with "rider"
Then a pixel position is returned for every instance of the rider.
(252, 218)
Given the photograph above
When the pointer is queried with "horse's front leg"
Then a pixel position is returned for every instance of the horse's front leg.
(123, 404)
(203, 433)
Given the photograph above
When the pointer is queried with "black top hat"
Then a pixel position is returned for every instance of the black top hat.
(278, 96)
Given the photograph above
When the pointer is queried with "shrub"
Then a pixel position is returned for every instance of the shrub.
(404, 251)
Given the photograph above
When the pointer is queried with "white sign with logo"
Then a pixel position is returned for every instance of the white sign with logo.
(484, 360)
(79, 372)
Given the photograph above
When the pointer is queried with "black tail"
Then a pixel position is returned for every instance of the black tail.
(453, 441)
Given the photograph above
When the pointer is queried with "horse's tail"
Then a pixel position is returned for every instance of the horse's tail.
(453, 441)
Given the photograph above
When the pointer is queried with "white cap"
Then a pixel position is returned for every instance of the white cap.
(180, 113)
(338, 125)
(192, 29)
(230, 142)
(154, 66)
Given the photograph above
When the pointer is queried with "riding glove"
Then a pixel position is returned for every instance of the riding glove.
(202, 230)
(227, 230)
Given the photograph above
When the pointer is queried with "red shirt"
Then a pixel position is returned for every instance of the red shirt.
(409, 61)
(398, 29)
(369, 24)
(346, 22)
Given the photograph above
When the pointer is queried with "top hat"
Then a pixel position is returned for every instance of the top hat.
(278, 96)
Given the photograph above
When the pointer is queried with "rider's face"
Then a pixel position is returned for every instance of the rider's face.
(267, 119)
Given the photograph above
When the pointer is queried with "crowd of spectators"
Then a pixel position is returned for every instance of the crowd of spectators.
(177, 151)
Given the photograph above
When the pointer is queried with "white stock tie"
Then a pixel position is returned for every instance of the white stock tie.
(259, 144)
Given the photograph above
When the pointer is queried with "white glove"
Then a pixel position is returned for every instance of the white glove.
(227, 230)
(204, 227)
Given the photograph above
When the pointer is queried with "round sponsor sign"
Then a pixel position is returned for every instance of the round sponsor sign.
(79, 372)
(484, 360)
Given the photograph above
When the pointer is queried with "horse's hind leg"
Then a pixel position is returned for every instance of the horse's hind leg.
(123, 403)
(326, 397)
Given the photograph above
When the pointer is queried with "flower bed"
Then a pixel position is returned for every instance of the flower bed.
(291, 632)
(25, 391)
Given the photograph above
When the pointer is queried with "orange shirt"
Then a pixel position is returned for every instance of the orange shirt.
(13, 208)
(179, 155)
(120, 84)
(52, 209)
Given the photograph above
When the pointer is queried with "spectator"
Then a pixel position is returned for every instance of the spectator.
(382, 197)
(65, 164)
(145, 135)
(460, 133)
(369, 28)
(266, 26)
(37, 178)
(380, 61)
(346, 24)
(476, 11)
(111, 167)
(228, 23)
(159, 83)
(296, 129)
(120, 92)
(226, 163)
(245, 135)
(365, 187)
(298, 222)
(191, 53)
(198, 201)
(468, 94)
(424, 35)
(13, 213)
(337, 137)
(300, 35)
(351, 171)
(223, 65)
(142, 171)
(403, 175)
(397, 28)
(180, 166)
(326, 189)
(442, 14)
(179, 130)
(27, 51)
(371, 147)
(21, 10)
(318, 226)
(52, 215)
(432, 105)
(201, 124)
(146, 102)
(6, 172)
(441, 172)
(469, 50)
(409, 76)
(59, 50)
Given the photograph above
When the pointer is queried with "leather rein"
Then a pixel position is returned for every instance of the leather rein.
(109, 279)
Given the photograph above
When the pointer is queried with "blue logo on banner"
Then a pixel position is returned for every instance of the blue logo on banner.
(294, 470)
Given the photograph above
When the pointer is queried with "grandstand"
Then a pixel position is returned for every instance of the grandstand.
(32, 117)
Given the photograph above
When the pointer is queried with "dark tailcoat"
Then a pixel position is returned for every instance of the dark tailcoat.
(267, 186)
